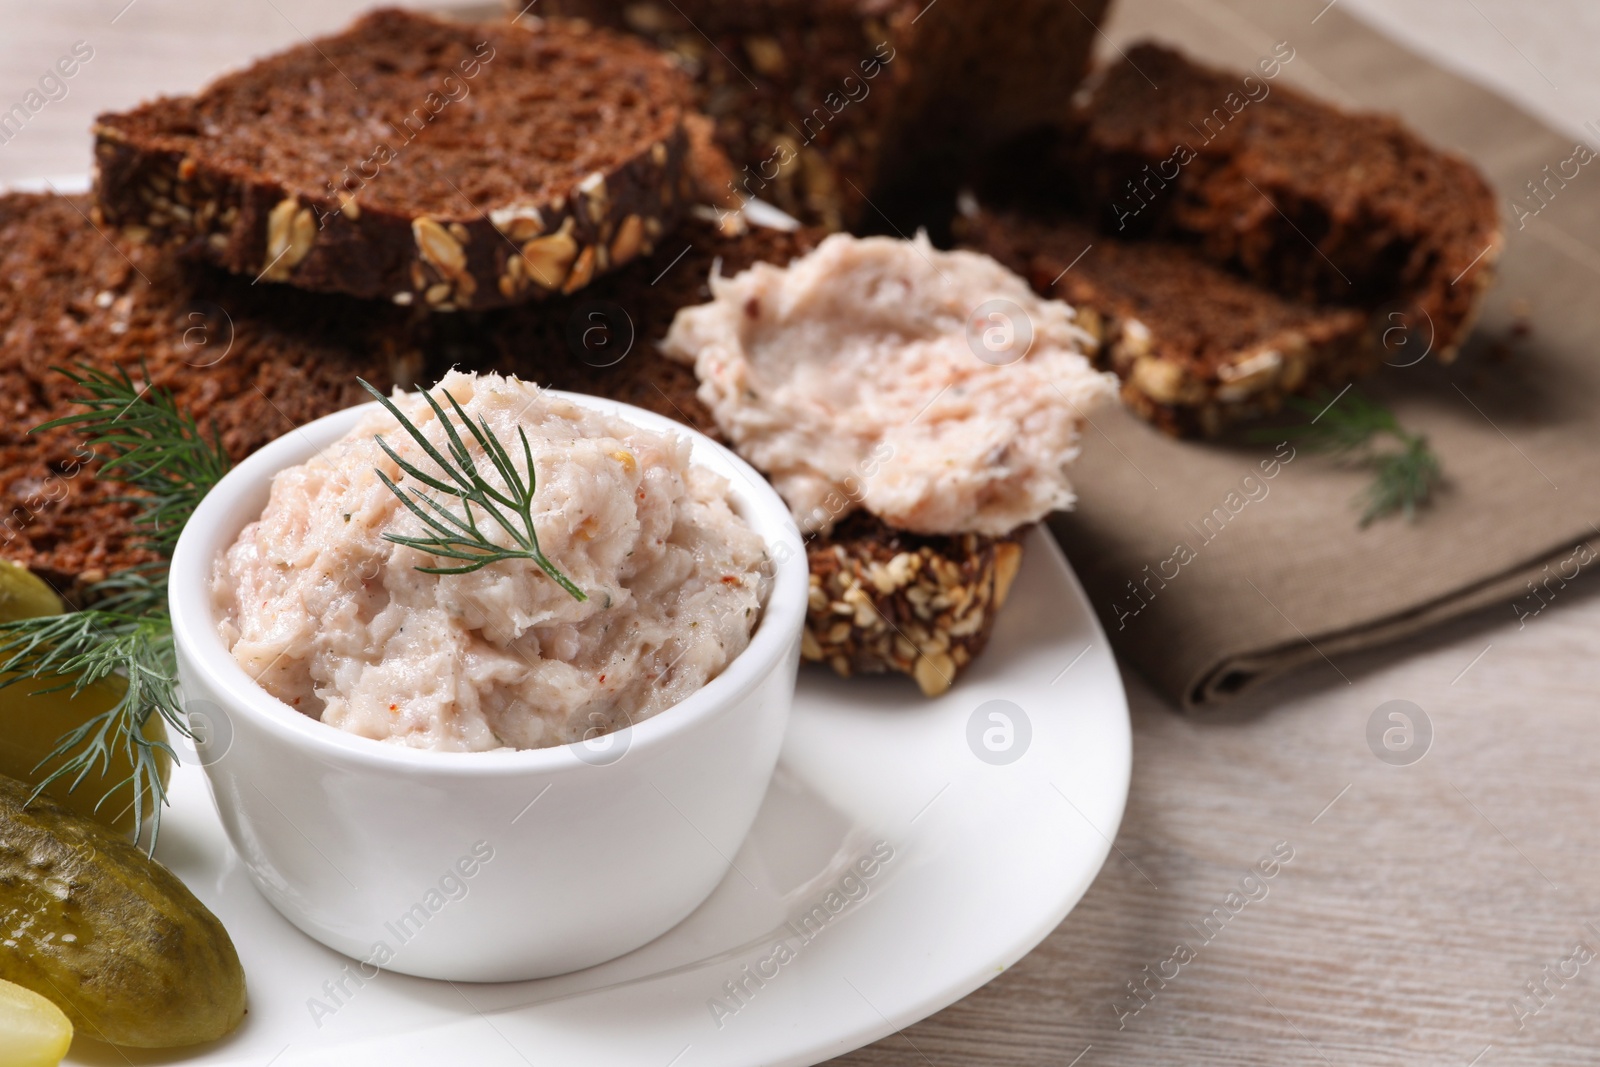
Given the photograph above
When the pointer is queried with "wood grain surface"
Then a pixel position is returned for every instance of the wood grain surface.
(1434, 913)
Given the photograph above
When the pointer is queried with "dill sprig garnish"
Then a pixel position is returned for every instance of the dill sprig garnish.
(1351, 426)
(460, 537)
(150, 446)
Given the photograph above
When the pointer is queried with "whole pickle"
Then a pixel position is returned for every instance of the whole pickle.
(109, 935)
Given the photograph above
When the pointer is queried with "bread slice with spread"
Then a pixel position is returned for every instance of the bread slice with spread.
(882, 599)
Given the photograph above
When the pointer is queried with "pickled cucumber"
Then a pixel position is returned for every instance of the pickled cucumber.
(33, 721)
(25, 595)
(113, 938)
(36, 1032)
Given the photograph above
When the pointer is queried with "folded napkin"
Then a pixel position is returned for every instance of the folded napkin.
(1214, 567)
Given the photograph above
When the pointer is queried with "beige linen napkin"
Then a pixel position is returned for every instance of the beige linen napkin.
(1214, 567)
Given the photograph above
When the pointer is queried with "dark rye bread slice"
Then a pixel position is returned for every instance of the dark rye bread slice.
(447, 165)
(255, 361)
(1316, 203)
(881, 600)
(1196, 347)
(839, 110)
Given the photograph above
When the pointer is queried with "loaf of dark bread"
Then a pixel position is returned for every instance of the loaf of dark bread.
(251, 361)
(442, 164)
(863, 114)
(1319, 204)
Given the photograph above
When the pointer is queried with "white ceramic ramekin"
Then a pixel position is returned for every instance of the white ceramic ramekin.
(493, 866)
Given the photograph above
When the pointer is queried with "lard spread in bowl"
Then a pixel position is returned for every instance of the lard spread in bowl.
(318, 603)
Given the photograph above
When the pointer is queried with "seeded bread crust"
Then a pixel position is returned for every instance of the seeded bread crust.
(881, 600)
(839, 111)
(1197, 349)
(252, 362)
(442, 206)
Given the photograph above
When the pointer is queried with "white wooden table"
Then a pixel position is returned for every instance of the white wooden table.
(1421, 900)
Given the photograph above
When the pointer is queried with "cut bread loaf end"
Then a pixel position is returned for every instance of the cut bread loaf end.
(1234, 241)
(1316, 203)
(863, 114)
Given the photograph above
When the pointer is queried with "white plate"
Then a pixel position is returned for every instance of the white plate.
(986, 859)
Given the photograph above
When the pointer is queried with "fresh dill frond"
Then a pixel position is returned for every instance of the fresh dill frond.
(148, 445)
(1342, 424)
(138, 591)
(1402, 481)
(460, 537)
(1353, 427)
